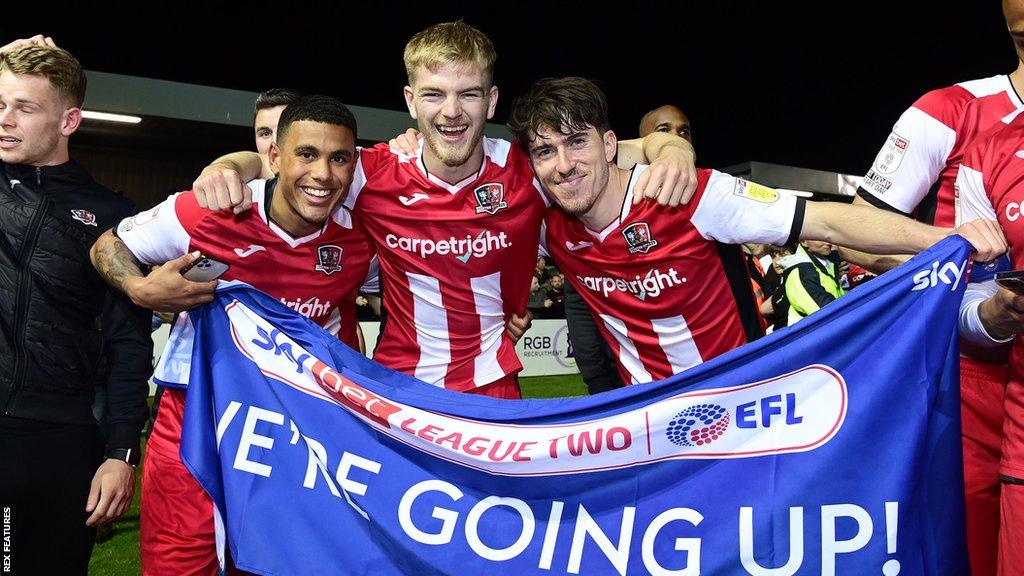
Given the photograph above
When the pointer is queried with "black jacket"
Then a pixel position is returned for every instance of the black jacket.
(52, 334)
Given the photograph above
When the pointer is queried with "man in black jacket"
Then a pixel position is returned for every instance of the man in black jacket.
(57, 480)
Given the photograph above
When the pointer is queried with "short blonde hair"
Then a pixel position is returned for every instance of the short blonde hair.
(449, 43)
(55, 64)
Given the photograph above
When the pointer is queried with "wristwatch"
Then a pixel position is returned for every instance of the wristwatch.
(129, 456)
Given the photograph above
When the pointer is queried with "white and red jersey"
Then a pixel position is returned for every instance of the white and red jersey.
(668, 287)
(455, 261)
(990, 185)
(317, 275)
(915, 170)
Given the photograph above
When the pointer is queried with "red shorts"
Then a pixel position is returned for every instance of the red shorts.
(982, 388)
(1011, 533)
(506, 388)
(176, 534)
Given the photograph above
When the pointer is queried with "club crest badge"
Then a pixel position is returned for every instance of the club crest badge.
(85, 217)
(638, 237)
(329, 256)
(490, 198)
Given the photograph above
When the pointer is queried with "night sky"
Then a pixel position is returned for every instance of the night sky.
(816, 85)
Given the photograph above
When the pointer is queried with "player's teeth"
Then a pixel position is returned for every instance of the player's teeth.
(317, 193)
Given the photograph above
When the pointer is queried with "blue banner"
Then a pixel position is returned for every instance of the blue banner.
(830, 447)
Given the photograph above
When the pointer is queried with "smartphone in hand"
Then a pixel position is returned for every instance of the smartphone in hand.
(204, 269)
(1012, 281)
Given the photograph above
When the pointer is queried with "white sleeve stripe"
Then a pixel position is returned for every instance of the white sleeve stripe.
(972, 201)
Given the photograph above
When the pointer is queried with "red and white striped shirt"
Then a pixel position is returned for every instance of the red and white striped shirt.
(990, 186)
(668, 286)
(317, 275)
(455, 261)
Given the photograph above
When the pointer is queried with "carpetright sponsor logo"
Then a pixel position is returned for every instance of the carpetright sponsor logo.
(462, 248)
(310, 308)
(651, 284)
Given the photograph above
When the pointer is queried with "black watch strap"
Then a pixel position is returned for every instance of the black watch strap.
(127, 455)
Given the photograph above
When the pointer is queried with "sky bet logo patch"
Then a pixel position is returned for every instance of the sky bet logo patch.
(698, 425)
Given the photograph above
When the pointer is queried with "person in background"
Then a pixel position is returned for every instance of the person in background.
(554, 301)
(58, 476)
(667, 118)
(266, 114)
(812, 279)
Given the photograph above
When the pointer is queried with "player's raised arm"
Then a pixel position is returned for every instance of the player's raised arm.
(671, 179)
(221, 185)
(876, 263)
(883, 232)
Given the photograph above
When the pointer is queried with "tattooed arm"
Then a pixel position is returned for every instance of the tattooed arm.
(163, 290)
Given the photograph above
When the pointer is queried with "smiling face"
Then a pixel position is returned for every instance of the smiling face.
(315, 162)
(34, 121)
(573, 168)
(451, 105)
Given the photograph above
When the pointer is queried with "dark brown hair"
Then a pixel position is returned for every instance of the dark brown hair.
(568, 105)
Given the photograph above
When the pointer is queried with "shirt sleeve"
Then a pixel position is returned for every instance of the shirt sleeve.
(733, 210)
(909, 162)
(158, 234)
(972, 201)
(971, 328)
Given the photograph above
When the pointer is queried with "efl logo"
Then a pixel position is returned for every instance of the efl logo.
(948, 274)
(891, 155)
(698, 425)
(795, 412)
